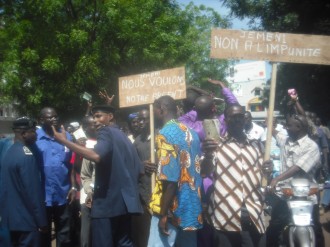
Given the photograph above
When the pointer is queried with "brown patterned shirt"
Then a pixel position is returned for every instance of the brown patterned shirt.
(237, 180)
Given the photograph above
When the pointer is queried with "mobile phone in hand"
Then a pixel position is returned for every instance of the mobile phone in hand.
(212, 129)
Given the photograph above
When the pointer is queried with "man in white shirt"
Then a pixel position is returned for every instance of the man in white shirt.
(252, 131)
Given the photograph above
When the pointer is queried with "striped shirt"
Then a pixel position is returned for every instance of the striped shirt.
(237, 179)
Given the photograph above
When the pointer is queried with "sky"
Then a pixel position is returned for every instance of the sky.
(223, 11)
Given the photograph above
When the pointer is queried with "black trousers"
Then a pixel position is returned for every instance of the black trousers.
(141, 228)
(25, 239)
(61, 217)
(86, 231)
(248, 237)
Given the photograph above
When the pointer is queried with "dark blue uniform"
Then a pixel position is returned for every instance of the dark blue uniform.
(5, 144)
(22, 204)
(116, 194)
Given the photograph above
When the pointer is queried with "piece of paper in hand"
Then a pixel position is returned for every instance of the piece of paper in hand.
(87, 96)
(79, 133)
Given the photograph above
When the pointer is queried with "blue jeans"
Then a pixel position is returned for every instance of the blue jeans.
(157, 239)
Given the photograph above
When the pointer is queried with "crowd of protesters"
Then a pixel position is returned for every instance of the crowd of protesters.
(92, 183)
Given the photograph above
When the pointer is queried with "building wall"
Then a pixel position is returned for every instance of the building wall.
(243, 81)
(244, 92)
(7, 116)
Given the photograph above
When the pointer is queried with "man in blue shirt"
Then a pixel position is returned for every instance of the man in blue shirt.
(117, 169)
(57, 169)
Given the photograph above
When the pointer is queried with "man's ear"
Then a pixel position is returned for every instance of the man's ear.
(22, 133)
(111, 116)
(214, 108)
(161, 109)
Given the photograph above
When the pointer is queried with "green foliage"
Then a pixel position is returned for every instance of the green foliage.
(52, 51)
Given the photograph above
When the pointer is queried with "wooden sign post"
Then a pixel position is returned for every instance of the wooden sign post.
(144, 88)
(270, 112)
(274, 47)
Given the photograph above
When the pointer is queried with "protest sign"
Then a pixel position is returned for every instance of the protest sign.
(273, 47)
(145, 88)
(268, 46)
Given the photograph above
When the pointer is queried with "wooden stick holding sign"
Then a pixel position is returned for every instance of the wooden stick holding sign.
(144, 88)
(270, 117)
(152, 143)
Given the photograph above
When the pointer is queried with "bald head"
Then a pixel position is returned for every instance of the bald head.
(204, 106)
(166, 102)
(46, 110)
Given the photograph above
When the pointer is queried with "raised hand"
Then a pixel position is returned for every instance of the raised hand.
(104, 95)
(216, 82)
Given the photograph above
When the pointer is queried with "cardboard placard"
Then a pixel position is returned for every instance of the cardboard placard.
(145, 88)
(268, 46)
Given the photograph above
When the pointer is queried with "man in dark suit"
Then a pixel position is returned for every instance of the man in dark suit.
(117, 169)
(22, 207)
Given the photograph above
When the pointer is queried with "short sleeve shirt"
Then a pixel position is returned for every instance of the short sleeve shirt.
(303, 153)
(178, 150)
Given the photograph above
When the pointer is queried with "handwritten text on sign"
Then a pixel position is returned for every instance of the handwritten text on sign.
(145, 88)
(276, 47)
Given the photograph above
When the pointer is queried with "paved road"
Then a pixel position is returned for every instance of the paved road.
(324, 218)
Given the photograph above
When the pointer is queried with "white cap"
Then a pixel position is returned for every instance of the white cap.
(75, 124)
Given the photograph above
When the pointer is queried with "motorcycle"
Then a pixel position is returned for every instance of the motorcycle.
(299, 232)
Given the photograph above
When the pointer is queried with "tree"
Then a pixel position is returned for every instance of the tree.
(297, 16)
(52, 51)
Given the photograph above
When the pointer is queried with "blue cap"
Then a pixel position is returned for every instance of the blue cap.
(133, 115)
